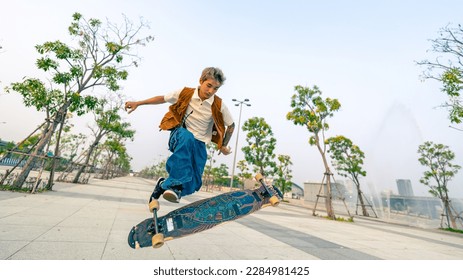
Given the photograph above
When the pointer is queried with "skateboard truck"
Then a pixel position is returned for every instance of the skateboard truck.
(274, 201)
(158, 238)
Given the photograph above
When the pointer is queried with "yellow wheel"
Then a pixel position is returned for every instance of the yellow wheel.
(157, 240)
(154, 204)
(259, 177)
(274, 201)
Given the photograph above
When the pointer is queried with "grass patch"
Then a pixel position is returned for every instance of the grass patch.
(339, 219)
(453, 230)
(16, 189)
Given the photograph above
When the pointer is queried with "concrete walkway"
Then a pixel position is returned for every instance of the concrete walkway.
(92, 221)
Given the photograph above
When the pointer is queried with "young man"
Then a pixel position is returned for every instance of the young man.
(196, 117)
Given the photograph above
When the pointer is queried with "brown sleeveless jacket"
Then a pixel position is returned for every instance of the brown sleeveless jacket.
(177, 111)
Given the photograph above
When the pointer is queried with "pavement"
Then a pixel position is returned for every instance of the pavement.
(92, 221)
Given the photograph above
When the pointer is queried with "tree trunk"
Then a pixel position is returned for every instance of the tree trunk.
(451, 221)
(362, 203)
(30, 163)
(107, 167)
(360, 197)
(53, 161)
(9, 171)
(87, 159)
(44, 140)
(328, 198)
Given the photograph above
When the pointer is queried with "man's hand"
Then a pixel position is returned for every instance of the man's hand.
(225, 150)
(130, 106)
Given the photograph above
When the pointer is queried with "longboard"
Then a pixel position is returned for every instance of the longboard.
(201, 215)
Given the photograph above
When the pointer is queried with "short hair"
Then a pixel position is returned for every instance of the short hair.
(213, 73)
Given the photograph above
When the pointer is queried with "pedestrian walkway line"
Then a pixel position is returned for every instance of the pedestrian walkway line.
(109, 232)
(310, 244)
(98, 197)
(401, 232)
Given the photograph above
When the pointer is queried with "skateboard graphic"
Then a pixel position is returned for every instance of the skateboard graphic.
(201, 215)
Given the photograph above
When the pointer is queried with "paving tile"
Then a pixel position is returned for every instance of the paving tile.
(8, 248)
(75, 234)
(60, 251)
(92, 222)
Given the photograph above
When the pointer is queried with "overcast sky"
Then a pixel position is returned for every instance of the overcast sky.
(362, 52)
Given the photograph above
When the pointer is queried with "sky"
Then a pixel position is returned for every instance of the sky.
(363, 53)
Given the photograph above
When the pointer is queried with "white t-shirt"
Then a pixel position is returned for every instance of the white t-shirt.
(200, 122)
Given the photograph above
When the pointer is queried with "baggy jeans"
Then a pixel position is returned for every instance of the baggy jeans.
(186, 164)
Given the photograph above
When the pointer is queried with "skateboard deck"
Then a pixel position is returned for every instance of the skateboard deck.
(201, 215)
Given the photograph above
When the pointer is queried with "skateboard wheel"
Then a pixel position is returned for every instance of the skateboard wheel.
(258, 177)
(154, 204)
(274, 201)
(157, 240)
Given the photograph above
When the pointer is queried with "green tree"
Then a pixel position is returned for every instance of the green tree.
(28, 144)
(220, 175)
(347, 159)
(157, 170)
(8, 146)
(72, 145)
(447, 68)
(207, 174)
(116, 161)
(261, 145)
(438, 159)
(100, 59)
(108, 120)
(312, 111)
(284, 174)
(244, 173)
(19, 151)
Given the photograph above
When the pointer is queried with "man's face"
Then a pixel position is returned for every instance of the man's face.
(208, 88)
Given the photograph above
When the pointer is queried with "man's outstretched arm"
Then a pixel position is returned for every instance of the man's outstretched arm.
(130, 106)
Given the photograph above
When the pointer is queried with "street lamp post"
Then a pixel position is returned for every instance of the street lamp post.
(237, 103)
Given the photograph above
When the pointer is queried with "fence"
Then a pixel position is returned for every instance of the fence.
(12, 162)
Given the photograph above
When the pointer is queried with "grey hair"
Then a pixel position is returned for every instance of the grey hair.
(213, 73)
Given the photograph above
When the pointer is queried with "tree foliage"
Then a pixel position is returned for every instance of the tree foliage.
(220, 175)
(108, 123)
(116, 161)
(72, 145)
(437, 158)
(100, 58)
(284, 174)
(447, 68)
(155, 171)
(6, 147)
(312, 111)
(261, 146)
(244, 173)
(347, 159)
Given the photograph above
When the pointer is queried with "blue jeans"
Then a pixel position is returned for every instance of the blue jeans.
(186, 164)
